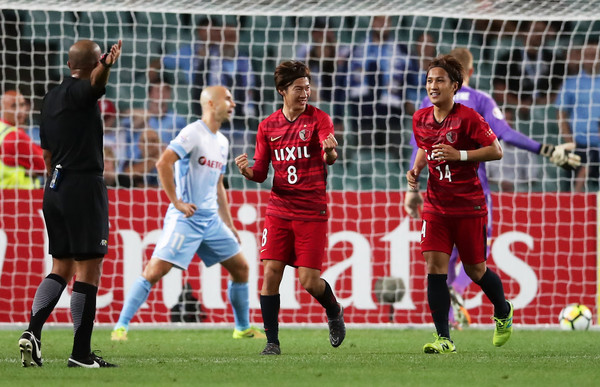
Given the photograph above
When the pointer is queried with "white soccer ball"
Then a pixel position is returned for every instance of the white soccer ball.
(575, 317)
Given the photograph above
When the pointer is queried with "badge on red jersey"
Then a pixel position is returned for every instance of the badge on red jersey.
(451, 137)
(304, 134)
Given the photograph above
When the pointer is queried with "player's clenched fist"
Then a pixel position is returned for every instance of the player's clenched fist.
(243, 165)
(329, 143)
(242, 162)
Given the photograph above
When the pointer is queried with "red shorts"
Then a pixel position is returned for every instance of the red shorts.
(441, 233)
(298, 243)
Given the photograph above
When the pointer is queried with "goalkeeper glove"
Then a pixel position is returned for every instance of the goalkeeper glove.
(561, 155)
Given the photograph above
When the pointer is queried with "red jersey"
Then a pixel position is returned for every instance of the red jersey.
(453, 187)
(295, 150)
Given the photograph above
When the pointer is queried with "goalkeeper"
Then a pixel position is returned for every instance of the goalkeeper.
(561, 155)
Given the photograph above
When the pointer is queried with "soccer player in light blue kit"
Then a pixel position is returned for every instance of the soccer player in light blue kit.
(198, 219)
(482, 103)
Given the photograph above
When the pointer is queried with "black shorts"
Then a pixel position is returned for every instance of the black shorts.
(76, 216)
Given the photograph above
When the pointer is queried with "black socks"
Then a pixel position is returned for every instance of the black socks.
(269, 306)
(83, 311)
(46, 298)
(491, 285)
(438, 297)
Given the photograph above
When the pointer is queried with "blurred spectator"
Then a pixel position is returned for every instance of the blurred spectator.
(379, 73)
(531, 71)
(425, 50)
(216, 58)
(112, 177)
(21, 160)
(517, 167)
(190, 59)
(328, 63)
(141, 170)
(114, 136)
(487, 33)
(110, 167)
(579, 118)
(158, 115)
(32, 130)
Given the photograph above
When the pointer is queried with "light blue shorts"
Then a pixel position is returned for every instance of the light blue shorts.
(207, 236)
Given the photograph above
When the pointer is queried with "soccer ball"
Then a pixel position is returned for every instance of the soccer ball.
(575, 317)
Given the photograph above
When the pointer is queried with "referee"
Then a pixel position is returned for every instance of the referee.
(75, 201)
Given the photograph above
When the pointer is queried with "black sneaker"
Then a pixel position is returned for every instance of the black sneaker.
(31, 350)
(337, 329)
(93, 361)
(271, 349)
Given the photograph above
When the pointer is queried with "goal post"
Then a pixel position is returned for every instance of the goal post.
(544, 242)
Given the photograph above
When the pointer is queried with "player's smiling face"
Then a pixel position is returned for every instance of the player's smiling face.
(440, 88)
(296, 96)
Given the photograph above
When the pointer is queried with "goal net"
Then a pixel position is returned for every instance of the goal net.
(368, 61)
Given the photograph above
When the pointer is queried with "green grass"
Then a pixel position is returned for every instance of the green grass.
(368, 357)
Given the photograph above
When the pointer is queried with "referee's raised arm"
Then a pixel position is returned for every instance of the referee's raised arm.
(99, 76)
(86, 61)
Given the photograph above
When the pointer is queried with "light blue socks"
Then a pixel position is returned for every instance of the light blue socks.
(238, 297)
(135, 298)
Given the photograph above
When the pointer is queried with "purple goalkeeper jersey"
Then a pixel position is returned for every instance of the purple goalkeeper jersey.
(485, 105)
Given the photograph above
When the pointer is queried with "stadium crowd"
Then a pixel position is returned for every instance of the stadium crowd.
(370, 86)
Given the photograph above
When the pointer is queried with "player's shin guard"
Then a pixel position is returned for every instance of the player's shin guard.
(491, 285)
(269, 306)
(439, 302)
(239, 299)
(83, 312)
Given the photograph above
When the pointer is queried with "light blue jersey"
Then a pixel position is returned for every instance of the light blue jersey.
(202, 156)
(202, 159)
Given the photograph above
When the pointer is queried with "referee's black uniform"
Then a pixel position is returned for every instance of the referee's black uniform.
(76, 202)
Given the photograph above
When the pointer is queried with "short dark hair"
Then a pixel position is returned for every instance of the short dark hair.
(452, 67)
(287, 72)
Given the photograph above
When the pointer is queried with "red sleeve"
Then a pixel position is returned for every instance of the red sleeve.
(18, 149)
(481, 131)
(261, 157)
(325, 126)
(415, 121)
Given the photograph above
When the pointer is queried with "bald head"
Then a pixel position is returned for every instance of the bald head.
(217, 105)
(15, 108)
(211, 93)
(84, 55)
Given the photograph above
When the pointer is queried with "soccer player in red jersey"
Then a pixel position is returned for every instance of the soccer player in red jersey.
(298, 141)
(453, 139)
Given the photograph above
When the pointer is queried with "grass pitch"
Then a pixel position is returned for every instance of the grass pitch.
(368, 357)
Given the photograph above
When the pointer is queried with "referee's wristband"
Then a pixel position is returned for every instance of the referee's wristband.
(103, 60)
(463, 155)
